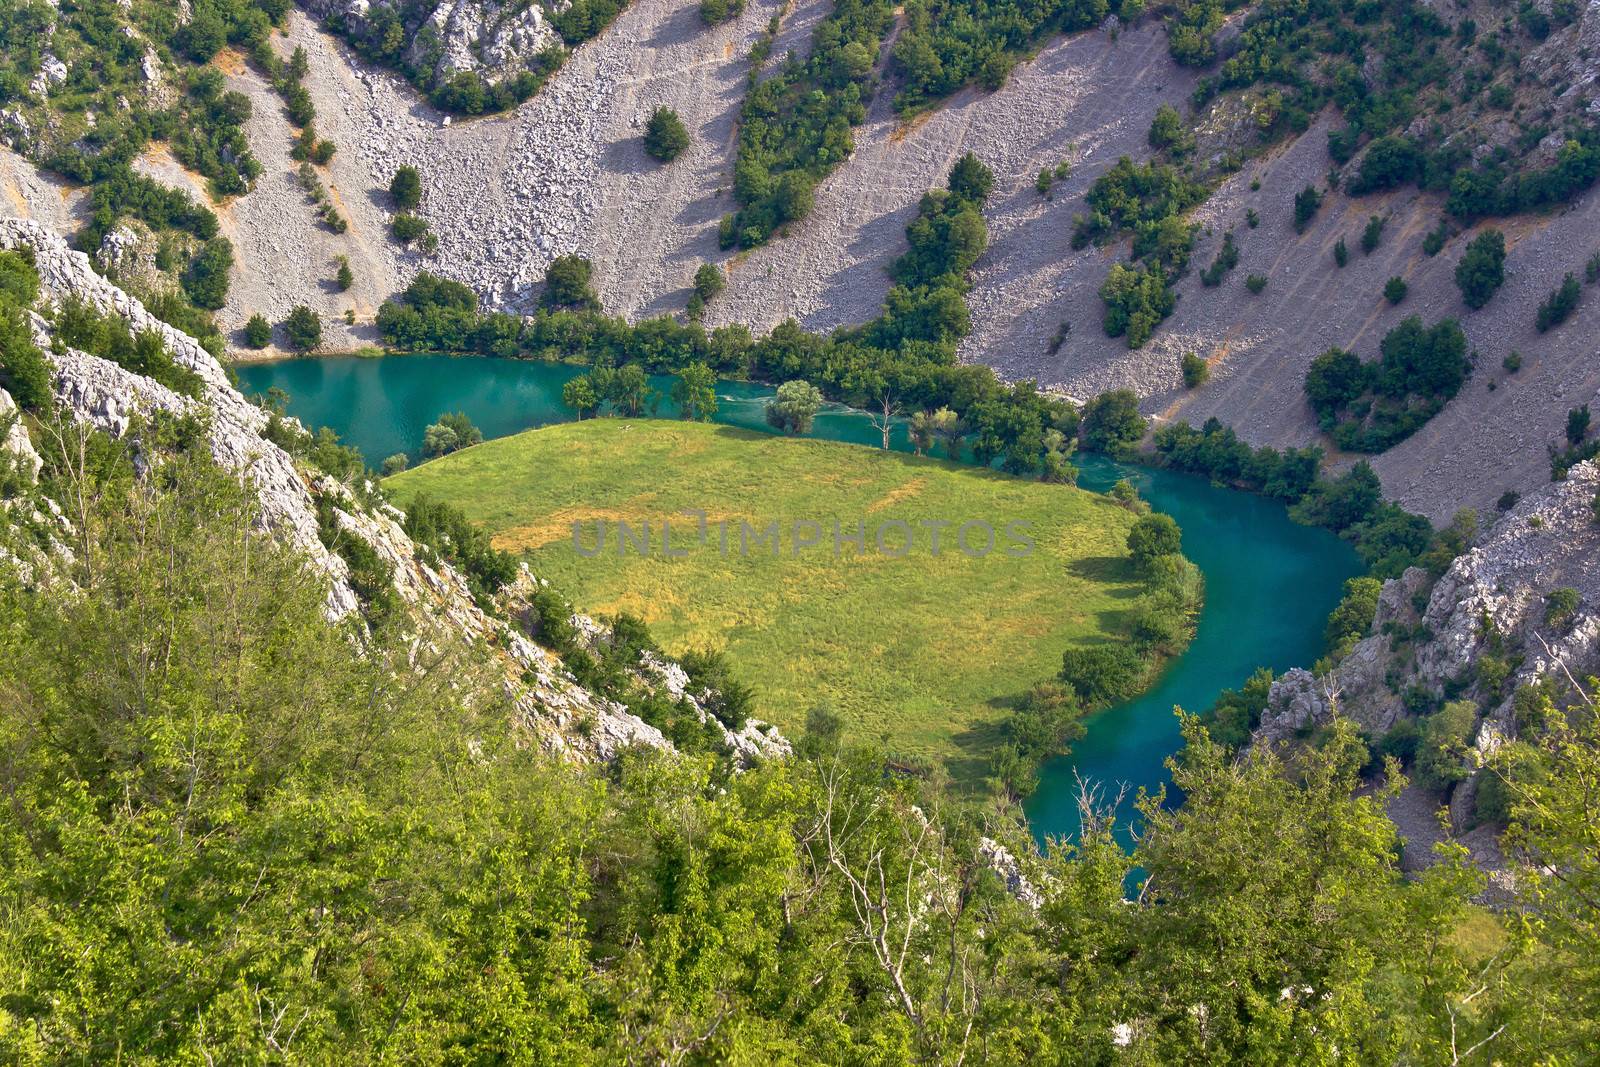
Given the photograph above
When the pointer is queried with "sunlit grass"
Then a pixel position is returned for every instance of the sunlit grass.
(924, 651)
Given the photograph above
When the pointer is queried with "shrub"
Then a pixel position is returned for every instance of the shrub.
(1559, 305)
(406, 188)
(344, 278)
(1482, 268)
(451, 432)
(709, 281)
(794, 407)
(1195, 371)
(1111, 422)
(1433, 244)
(1577, 424)
(1256, 282)
(1341, 254)
(1136, 299)
(566, 284)
(1167, 130)
(715, 11)
(665, 137)
(257, 332)
(1372, 236)
(303, 328)
(1151, 536)
(1560, 605)
(1591, 269)
(407, 227)
(1513, 362)
(1102, 674)
(1508, 500)
(23, 369)
(1442, 749)
(206, 280)
(1395, 289)
(1306, 203)
(1227, 259)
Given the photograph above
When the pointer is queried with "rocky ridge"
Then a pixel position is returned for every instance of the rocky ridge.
(1491, 604)
(561, 713)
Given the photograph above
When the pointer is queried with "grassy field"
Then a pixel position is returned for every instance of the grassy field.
(925, 651)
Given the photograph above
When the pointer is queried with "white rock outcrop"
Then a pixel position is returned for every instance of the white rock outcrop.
(563, 715)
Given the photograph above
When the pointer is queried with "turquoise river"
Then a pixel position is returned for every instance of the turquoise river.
(1270, 583)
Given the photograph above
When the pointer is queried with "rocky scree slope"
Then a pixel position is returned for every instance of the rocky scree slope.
(562, 714)
(1492, 602)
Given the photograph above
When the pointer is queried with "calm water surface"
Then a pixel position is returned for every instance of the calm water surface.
(1269, 582)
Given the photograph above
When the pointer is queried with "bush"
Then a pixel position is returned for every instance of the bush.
(1256, 282)
(709, 281)
(1395, 289)
(1306, 203)
(664, 135)
(1152, 536)
(715, 11)
(566, 284)
(1433, 244)
(1372, 236)
(450, 433)
(1341, 254)
(303, 329)
(257, 332)
(1111, 422)
(1559, 305)
(1577, 424)
(344, 277)
(23, 369)
(1513, 362)
(206, 280)
(1560, 605)
(794, 407)
(407, 227)
(1442, 748)
(1102, 674)
(1195, 371)
(1482, 268)
(406, 188)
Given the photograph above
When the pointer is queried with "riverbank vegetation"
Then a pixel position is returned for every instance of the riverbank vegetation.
(884, 632)
(904, 360)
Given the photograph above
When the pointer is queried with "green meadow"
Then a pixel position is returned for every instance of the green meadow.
(925, 651)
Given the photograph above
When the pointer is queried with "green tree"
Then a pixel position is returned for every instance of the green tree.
(406, 188)
(1151, 536)
(665, 137)
(580, 395)
(394, 464)
(206, 280)
(1482, 269)
(794, 407)
(567, 284)
(344, 278)
(257, 332)
(452, 432)
(709, 281)
(1395, 289)
(1112, 423)
(1443, 747)
(695, 392)
(303, 329)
